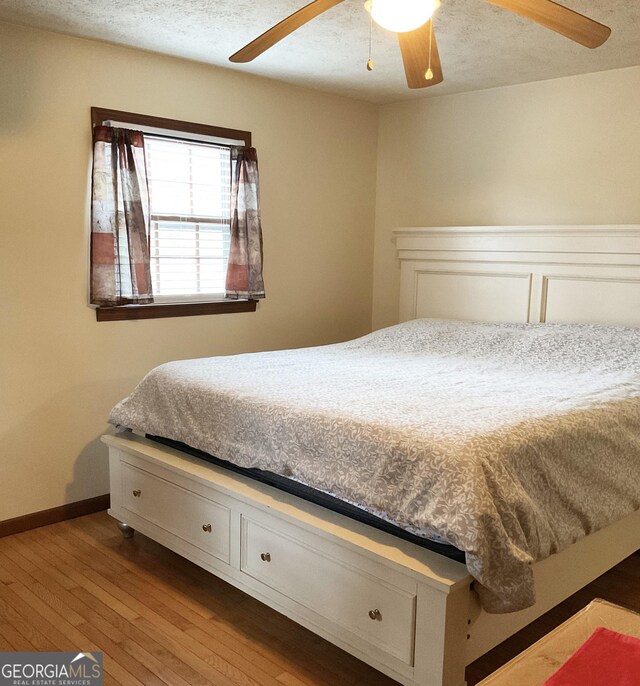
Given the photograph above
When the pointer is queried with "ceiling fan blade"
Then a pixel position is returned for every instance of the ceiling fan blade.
(415, 55)
(282, 30)
(561, 19)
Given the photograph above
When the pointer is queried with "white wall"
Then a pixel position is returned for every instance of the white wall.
(565, 151)
(60, 370)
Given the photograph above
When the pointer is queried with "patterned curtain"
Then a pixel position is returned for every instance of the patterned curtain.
(120, 226)
(244, 272)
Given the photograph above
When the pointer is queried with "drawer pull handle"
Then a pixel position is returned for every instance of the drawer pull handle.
(137, 493)
(375, 615)
(206, 528)
(265, 557)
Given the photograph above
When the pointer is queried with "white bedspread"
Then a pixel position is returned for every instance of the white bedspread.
(508, 441)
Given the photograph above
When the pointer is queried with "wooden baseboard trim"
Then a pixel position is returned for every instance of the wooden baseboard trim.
(55, 514)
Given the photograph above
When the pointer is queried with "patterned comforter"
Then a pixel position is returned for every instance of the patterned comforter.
(507, 441)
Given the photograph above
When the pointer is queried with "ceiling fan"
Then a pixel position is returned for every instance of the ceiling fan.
(412, 20)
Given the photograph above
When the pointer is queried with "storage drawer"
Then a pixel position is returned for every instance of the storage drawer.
(332, 582)
(198, 520)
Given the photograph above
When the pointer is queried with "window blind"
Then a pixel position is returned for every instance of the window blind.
(189, 186)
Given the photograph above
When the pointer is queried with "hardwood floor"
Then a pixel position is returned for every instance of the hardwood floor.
(160, 620)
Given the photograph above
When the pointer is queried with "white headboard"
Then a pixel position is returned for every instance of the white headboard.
(521, 273)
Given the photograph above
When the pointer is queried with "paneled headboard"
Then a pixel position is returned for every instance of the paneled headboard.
(521, 273)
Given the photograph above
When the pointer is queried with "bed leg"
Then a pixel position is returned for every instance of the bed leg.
(126, 530)
(441, 636)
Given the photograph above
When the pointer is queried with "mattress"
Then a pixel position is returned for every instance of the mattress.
(319, 498)
(507, 441)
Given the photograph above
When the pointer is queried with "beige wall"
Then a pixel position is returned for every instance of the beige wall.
(60, 370)
(563, 151)
(555, 152)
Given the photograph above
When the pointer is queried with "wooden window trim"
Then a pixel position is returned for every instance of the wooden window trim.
(99, 115)
(163, 310)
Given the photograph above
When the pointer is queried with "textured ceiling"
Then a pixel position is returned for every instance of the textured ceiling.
(481, 46)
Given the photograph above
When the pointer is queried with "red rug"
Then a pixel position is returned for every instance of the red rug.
(607, 658)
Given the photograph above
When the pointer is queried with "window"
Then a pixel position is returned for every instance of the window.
(189, 173)
(189, 190)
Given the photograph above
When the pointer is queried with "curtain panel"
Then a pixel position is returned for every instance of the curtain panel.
(120, 219)
(244, 270)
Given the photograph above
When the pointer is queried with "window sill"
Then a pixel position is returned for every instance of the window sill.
(163, 310)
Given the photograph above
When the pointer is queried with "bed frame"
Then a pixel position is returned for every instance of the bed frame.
(406, 611)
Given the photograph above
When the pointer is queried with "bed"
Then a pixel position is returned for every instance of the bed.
(516, 443)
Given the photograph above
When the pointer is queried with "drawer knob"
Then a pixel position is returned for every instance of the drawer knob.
(137, 493)
(265, 557)
(206, 528)
(375, 615)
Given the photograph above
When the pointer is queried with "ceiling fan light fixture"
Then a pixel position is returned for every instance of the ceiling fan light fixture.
(401, 16)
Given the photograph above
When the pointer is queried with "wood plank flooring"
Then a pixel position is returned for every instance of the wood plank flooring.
(162, 621)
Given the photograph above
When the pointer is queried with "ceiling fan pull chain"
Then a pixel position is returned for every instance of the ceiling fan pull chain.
(429, 73)
(370, 60)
